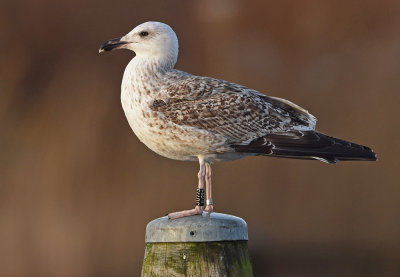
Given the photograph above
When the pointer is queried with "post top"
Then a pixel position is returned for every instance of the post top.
(198, 228)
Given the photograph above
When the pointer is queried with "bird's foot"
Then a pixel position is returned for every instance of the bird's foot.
(196, 211)
(209, 209)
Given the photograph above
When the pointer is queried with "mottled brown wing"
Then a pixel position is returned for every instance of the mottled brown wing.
(238, 113)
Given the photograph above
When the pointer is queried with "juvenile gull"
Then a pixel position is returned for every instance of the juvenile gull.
(186, 117)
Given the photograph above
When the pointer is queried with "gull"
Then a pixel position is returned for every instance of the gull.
(193, 118)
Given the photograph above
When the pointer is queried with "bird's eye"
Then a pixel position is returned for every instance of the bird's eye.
(143, 34)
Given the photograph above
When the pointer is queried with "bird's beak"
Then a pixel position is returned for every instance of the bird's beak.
(112, 44)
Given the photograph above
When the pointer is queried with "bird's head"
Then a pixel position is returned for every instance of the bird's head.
(147, 40)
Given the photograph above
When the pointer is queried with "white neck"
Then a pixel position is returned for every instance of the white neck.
(151, 66)
(143, 75)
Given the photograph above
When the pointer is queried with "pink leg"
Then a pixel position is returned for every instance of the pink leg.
(197, 209)
(209, 203)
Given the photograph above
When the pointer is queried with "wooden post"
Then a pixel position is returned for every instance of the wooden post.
(202, 245)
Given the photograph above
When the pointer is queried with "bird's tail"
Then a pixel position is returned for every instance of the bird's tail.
(307, 145)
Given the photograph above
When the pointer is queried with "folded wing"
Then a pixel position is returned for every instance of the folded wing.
(236, 112)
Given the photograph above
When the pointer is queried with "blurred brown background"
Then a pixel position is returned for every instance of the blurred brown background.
(77, 188)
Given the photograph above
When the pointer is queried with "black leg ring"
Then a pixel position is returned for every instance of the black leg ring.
(200, 197)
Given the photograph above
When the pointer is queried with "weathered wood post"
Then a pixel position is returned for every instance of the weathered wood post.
(202, 245)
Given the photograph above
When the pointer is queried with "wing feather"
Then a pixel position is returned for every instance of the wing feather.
(239, 113)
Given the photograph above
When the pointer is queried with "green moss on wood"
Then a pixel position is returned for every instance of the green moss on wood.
(227, 258)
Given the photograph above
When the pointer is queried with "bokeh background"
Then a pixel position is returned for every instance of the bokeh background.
(77, 188)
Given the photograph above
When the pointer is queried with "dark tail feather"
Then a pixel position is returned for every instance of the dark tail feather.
(307, 145)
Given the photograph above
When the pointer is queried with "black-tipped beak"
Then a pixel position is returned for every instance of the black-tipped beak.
(111, 45)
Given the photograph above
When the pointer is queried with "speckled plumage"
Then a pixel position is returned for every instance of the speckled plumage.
(186, 117)
(181, 116)
(204, 116)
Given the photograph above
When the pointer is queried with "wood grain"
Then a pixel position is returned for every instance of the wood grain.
(223, 258)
